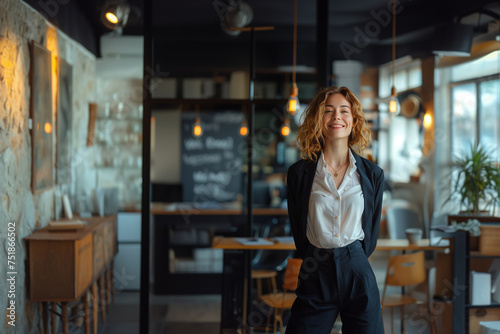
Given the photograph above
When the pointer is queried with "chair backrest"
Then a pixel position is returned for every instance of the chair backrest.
(400, 217)
(406, 269)
(292, 270)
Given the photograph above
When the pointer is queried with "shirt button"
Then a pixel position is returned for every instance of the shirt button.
(335, 217)
(336, 235)
(338, 198)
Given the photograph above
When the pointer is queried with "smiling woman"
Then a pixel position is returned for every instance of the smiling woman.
(334, 205)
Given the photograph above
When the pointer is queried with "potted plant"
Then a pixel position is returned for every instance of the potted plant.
(476, 181)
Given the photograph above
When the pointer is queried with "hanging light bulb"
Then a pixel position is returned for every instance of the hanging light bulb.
(197, 130)
(285, 128)
(293, 102)
(244, 128)
(394, 106)
(428, 121)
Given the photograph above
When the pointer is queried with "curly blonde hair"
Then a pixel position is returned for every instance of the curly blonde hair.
(310, 134)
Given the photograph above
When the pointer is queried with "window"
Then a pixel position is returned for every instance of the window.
(489, 116)
(475, 105)
(408, 76)
(463, 118)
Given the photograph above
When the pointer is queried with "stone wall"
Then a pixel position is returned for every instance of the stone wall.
(19, 25)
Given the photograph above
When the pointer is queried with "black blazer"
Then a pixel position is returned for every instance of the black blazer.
(300, 180)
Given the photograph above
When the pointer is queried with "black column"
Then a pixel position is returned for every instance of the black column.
(323, 65)
(146, 158)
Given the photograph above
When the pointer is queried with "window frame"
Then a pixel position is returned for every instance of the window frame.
(477, 83)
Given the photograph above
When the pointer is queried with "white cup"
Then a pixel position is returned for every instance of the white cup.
(414, 235)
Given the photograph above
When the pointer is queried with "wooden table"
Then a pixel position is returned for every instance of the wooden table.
(231, 243)
(382, 244)
(64, 265)
(404, 245)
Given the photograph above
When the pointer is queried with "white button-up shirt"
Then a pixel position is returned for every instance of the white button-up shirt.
(334, 218)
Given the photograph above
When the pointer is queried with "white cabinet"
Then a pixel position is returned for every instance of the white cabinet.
(127, 264)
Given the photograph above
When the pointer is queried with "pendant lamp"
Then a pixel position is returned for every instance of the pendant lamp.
(293, 103)
(285, 128)
(394, 107)
(197, 129)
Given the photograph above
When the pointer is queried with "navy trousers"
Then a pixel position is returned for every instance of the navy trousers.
(333, 281)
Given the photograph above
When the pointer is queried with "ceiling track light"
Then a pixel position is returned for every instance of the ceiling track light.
(114, 14)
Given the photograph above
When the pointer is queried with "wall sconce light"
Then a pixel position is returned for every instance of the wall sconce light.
(114, 14)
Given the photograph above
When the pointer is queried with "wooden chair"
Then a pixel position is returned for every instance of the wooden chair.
(403, 270)
(284, 300)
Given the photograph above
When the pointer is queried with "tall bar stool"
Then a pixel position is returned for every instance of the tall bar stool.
(269, 275)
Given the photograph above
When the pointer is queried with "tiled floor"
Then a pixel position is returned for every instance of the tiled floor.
(201, 314)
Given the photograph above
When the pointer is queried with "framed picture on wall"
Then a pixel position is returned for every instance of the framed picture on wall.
(42, 131)
(64, 121)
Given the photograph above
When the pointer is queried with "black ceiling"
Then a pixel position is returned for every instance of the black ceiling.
(188, 37)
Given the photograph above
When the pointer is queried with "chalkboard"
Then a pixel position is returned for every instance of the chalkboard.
(211, 163)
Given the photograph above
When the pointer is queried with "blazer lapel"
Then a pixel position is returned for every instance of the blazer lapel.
(309, 173)
(366, 188)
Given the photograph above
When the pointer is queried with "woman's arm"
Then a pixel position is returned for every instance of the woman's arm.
(293, 213)
(377, 210)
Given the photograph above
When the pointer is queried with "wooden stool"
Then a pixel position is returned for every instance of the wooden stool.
(259, 274)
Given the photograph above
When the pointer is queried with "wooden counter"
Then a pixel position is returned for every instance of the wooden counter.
(64, 265)
(159, 208)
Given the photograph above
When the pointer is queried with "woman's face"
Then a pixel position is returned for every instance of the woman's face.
(338, 118)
